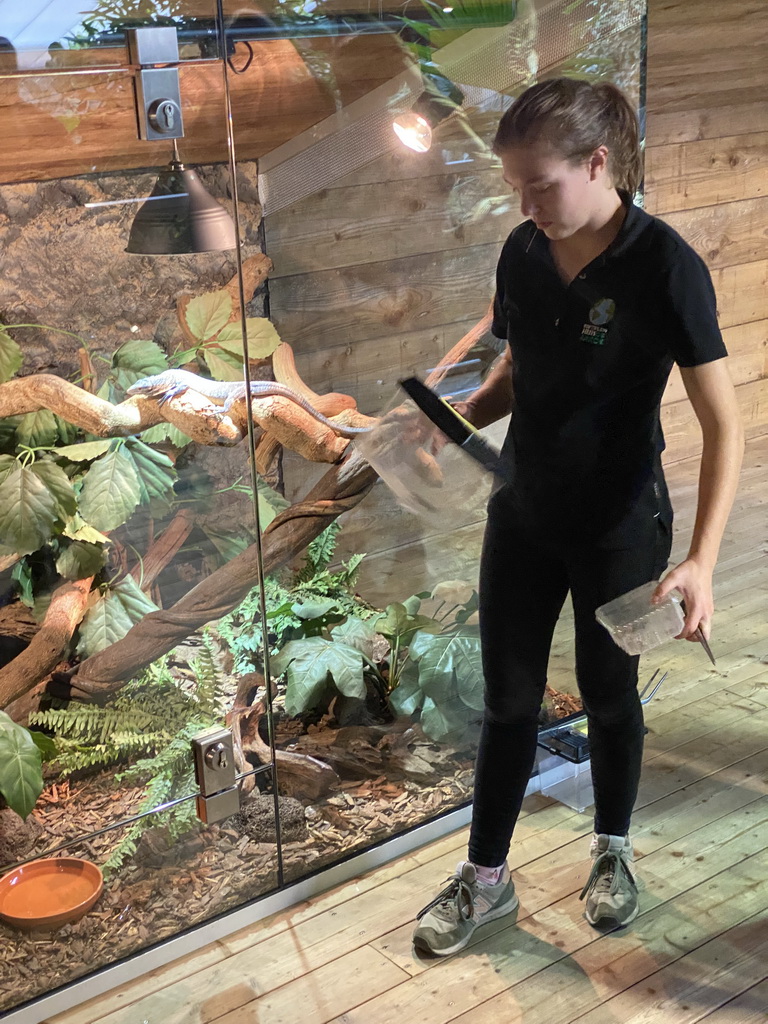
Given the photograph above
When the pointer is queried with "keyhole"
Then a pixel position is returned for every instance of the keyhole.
(167, 116)
(216, 757)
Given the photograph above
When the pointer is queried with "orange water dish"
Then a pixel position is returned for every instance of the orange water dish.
(48, 893)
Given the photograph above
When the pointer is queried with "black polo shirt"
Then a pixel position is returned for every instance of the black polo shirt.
(590, 362)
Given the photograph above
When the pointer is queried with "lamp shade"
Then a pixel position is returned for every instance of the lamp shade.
(180, 216)
(440, 99)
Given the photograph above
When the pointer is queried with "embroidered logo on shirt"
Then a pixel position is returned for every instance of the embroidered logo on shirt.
(602, 311)
(595, 332)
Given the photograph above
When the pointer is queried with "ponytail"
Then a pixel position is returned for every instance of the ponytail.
(575, 118)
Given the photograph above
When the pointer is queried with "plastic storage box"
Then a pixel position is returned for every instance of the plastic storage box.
(638, 626)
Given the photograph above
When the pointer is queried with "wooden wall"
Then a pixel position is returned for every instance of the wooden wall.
(707, 176)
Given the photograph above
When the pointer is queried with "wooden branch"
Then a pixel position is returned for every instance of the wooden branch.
(193, 414)
(162, 550)
(46, 648)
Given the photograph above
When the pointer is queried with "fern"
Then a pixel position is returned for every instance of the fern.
(319, 553)
(150, 725)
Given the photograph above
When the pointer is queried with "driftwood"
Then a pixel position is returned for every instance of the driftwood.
(161, 551)
(298, 775)
(46, 648)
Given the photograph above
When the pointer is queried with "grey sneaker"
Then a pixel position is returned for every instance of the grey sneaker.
(447, 923)
(611, 889)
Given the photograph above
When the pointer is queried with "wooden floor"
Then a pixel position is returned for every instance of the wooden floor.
(699, 949)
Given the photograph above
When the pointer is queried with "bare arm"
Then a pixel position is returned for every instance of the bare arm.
(712, 396)
(493, 399)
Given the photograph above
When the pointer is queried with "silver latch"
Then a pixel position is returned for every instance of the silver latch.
(158, 94)
(216, 775)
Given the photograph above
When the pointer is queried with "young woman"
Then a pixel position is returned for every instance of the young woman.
(597, 300)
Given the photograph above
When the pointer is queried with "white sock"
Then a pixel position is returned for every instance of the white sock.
(489, 876)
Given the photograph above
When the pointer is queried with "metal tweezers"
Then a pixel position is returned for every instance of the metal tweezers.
(698, 635)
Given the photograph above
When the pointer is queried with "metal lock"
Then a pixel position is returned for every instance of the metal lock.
(158, 95)
(211, 809)
(214, 760)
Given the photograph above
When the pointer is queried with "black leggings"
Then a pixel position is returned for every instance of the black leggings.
(524, 581)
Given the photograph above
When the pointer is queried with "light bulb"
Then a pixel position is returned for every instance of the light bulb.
(413, 131)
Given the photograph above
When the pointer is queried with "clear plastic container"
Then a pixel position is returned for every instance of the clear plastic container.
(638, 626)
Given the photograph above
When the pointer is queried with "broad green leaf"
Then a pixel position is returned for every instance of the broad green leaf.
(271, 504)
(84, 452)
(398, 626)
(207, 314)
(8, 426)
(133, 599)
(38, 429)
(76, 528)
(21, 774)
(154, 470)
(67, 431)
(143, 357)
(59, 484)
(180, 358)
(453, 592)
(28, 510)
(165, 432)
(439, 721)
(223, 365)
(104, 624)
(447, 656)
(11, 356)
(263, 339)
(407, 696)
(80, 559)
(313, 609)
(355, 633)
(7, 462)
(412, 604)
(110, 618)
(22, 576)
(45, 744)
(111, 490)
(309, 663)
(228, 544)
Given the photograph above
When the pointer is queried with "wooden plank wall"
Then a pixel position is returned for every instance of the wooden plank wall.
(707, 176)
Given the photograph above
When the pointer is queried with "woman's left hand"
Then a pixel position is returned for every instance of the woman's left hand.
(695, 584)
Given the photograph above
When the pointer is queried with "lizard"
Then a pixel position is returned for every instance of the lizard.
(170, 383)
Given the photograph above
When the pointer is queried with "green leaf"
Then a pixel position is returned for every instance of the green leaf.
(58, 483)
(447, 656)
(407, 696)
(8, 426)
(85, 452)
(22, 576)
(21, 774)
(263, 338)
(439, 721)
(271, 504)
(165, 432)
(412, 604)
(207, 314)
(111, 490)
(28, 510)
(133, 599)
(355, 633)
(398, 626)
(11, 356)
(309, 663)
(154, 470)
(223, 365)
(180, 358)
(45, 744)
(142, 357)
(228, 544)
(313, 609)
(80, 559)
(38, 429)
(76, 528)
(112, 616)
(7, 463)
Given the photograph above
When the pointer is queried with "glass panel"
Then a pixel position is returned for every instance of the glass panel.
(118, 264)
(383, 261)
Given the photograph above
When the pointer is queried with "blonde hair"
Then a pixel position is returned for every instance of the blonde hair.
(575, 117)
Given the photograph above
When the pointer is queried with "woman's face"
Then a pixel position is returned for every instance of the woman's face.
(558, 195)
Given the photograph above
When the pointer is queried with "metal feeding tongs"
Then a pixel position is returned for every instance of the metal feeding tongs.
(699, 635)
(643, 698)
